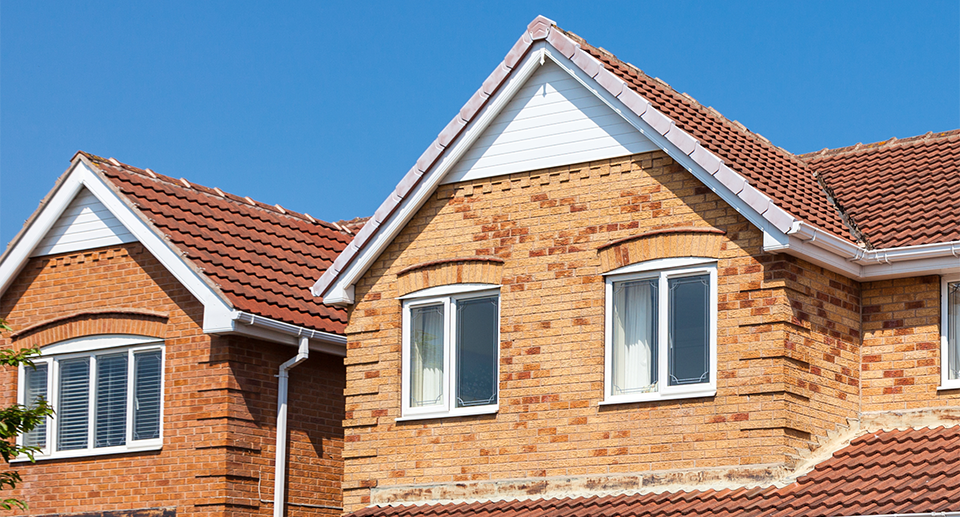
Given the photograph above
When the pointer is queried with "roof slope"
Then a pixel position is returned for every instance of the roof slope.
(263, 258)
(777, 173)
(899, 192)
(911, 471)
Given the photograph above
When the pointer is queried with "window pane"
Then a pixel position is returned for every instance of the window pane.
(477, 351)
(73, 410)
(111, 421)
(953, 331)
(147, 374)
(35, 382)
(426, 356)
(634, 337)
(689, 342)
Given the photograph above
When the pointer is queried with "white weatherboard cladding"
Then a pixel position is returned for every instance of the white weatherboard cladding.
(552, 120)
(85, 224)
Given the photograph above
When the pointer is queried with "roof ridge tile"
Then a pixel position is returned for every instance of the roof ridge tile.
(928, 137)
(184, 183)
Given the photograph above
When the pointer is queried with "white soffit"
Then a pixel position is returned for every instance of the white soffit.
(551, 121)
(85, 224)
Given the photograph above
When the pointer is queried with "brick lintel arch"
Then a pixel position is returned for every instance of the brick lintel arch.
(462, 270)
(662, 243)
(138, 322)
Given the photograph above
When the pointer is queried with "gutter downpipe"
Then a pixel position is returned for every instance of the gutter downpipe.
(280, 465)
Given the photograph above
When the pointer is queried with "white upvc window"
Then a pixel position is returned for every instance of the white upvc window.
(950, 333)
(661, 331)
(451, 351)
(107, 394)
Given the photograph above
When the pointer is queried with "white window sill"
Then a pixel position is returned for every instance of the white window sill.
(471, 411)
(89, 453)
(951, 385)
(656, 397)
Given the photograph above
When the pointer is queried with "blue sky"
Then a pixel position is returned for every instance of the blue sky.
(322, 107)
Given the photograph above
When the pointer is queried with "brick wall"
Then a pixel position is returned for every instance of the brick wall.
(901, 346)
(220, 397)
(787, 375)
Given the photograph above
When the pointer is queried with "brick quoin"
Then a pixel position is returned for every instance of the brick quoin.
(219, 412)
(788, 339)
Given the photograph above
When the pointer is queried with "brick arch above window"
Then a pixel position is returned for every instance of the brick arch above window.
(461, 270)
(89, 323)
(658, 244)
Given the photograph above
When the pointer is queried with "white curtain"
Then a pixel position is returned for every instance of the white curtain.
(426, 356)
(953, 329)
(633, 338)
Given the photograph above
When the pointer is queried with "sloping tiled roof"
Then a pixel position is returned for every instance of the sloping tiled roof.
(899, 192)
(263, 258)
(881, 473)
(775, 172)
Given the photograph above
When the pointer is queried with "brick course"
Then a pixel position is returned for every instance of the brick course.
(220, 397)
(787, 334)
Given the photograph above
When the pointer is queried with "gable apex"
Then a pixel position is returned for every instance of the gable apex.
(533, 49)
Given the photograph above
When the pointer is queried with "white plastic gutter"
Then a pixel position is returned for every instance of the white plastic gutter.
(287, 328)
(280, 467)
(863, 263)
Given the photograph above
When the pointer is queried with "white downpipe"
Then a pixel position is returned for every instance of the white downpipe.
(280, 474)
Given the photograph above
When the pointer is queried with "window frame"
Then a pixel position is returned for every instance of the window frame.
(446, 295)
(91, 347)
(662, 270)
(946, 383)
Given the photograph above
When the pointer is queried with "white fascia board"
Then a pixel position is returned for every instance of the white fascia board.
(19, 253)
(275, 331)
(771, 232)
(340, 292)
(827, 250)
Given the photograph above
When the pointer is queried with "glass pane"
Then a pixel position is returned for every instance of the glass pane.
(147, 373)
(426, 356)
(953, 330)
(73, 409)
(111, 420)
(634, 337)
(35, 384)
(477, 345)
(689, 354)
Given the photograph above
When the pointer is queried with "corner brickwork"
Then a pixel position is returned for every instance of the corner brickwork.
(219, 410)
(787, 375)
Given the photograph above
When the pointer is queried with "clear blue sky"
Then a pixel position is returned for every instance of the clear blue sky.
(322, 107)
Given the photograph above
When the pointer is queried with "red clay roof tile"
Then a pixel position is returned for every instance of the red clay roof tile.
(263, 258)
(899, 192)
(916, 470)
(775, 172)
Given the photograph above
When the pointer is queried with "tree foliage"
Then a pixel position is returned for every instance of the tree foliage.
(16, 420)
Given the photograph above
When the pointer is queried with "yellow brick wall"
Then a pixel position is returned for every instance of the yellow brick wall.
(901, 346)
(787, 373)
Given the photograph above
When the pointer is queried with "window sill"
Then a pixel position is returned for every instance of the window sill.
(88, 453)
(952, 385)
(656, 397)
(479, 410)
